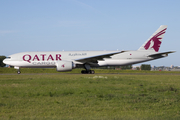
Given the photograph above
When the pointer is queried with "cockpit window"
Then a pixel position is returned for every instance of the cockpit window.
(8, 57)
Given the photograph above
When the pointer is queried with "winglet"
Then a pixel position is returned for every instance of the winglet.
(154, 42)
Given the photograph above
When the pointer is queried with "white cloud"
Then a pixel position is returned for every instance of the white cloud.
(67, 23)
(71, 23)
(3, 32)
(86, 6)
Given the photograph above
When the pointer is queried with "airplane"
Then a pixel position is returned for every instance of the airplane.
(68, 60)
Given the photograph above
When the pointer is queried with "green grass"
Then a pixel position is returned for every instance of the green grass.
(53, 70)
(98, 96)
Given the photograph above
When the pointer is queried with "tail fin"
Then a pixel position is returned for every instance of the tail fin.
(154, 42)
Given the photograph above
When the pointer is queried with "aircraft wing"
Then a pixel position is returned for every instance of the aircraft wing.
(160, 54)
(97, 57)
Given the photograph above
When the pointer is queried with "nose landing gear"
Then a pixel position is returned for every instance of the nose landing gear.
(18, 70)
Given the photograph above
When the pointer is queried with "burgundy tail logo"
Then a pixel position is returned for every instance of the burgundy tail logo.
(63, 65)
(155, 40)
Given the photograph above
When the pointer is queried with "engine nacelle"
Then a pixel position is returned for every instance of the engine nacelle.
(64, 66)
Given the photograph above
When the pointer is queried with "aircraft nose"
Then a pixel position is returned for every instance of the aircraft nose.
(5, 61)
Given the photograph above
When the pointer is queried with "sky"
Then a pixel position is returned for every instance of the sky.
(75, 25)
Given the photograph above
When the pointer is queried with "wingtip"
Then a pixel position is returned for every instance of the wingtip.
(173, 51)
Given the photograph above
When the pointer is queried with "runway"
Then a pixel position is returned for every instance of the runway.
(91, 74)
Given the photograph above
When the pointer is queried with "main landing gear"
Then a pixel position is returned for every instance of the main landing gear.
(87, 71)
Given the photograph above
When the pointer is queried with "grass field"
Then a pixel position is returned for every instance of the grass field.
(99, 96)
(53, 70)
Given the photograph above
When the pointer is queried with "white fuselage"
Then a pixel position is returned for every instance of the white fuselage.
(49, 59)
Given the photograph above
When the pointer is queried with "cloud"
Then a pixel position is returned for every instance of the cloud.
(67, 23)
(71, 23)
(86, 6)
(2, 32)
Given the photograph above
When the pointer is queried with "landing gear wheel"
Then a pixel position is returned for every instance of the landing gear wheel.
(87, 72)
(83, 71)
(92, 72)
(18, 72)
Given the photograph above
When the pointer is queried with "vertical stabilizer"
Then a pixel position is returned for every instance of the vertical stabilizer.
(154, 42)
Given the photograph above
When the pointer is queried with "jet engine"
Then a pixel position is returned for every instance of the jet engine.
(62, 66)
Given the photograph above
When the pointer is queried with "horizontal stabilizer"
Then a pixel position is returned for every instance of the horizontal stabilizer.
(161, 54)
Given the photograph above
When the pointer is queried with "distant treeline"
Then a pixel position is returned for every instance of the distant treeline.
(1, 61)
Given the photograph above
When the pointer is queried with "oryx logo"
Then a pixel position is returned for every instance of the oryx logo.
(63, 65)
(155, 42)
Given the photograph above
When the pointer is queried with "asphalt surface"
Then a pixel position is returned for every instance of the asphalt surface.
(91, 74)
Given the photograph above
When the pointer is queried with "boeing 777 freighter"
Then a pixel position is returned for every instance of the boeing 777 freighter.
(67, 60)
